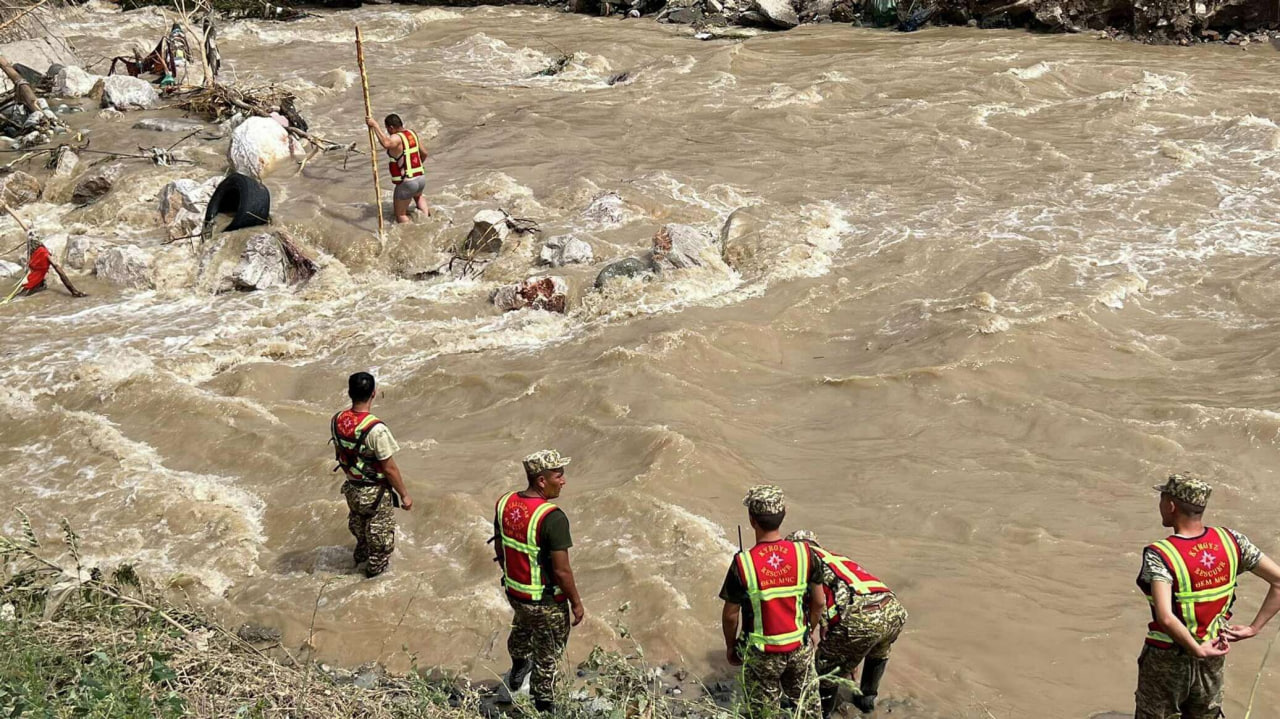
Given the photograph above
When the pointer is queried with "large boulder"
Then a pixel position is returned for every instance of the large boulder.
(257, 145)
(123, 92)
(38, 53)
(71, 81)
(93, 186)
(564, 250)
(537, 293)
(778, 13)
(489, 230)
(262, 265)
(626, 267)
(83, 251)
(187, 195)
(681, 247)
(17, 188)
(125, 265)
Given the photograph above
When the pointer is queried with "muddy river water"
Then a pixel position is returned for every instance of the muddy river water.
(996, 286)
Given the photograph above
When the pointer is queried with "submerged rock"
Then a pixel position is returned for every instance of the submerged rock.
(627, 267)
(123, 92)
(125, 265)
(71, 81)
(167, 124)
(681, 247)
(560, 251)
(262, 265)
(538, 293)
(11, 269)
(17, 188)
(606, 209)
(258, 144)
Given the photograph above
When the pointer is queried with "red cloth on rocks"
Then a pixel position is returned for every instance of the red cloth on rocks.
(37, 268)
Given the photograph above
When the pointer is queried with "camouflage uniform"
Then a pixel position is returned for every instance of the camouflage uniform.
(1171, 683)
(539, 633)
(373, 524)
(768, 677)
(861, 636)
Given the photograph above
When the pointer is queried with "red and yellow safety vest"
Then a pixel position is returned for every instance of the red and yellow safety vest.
(408, 164)
(860, 581)
(519, 521)
(1204, 583)
(350, 430)
(776, 575)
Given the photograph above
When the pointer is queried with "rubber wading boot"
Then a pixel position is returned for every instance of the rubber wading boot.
(515, 682)
(872, 673)
(830, 695)
(545, 706)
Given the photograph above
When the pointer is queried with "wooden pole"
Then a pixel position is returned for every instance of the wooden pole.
(373, 144)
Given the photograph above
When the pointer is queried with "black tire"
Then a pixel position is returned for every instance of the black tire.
(244, 198)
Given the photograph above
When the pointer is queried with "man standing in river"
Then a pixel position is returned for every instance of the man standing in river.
(864, 619)
(1190, 580)
(532, 545)
(408, 160)
(775, 589)
(364, 448)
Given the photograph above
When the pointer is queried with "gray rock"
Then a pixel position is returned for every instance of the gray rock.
(71, 81)
(65, 163)
(96, 184)
(39, 54)
(488, 231)
(606, 209)
(128, 93)
(538, 293)
(262, 265)
(10, 269)
(561, 251)
(186, 195)
(165, 124)
(125, 265)
(83, 251)
(681, 247)
(627, 267)
(684, 16)
(258, 634)
(779, 13)
(17, 188)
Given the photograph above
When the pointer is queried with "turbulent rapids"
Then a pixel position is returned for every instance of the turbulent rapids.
(982, 289)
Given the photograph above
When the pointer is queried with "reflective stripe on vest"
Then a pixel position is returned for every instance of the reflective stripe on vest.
(792, 634)
(408, 164)
(1189, 603)
(361, 469)
(527, 549)
(860, 581)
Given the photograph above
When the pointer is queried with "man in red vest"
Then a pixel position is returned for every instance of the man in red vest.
(408, 165)
(1190, 580)
(532, 545)
(364, 448)
(775, 589)
(864, 619)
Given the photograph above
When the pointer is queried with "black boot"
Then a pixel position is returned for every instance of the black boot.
(830, 696)
(872, 673)
(544, 706)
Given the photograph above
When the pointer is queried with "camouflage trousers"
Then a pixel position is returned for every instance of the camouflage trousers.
(1173, 685)
(372, 521)
(768, 677)
(860, 636)
(539, 633)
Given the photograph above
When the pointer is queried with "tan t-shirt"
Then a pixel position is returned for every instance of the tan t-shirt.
(381, 443)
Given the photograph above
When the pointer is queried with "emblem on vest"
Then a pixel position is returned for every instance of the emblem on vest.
(515, 516)
(347, 424)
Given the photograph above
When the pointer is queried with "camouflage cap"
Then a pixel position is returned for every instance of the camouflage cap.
(544, 460)
(765, 499)
(802, 535)
(1186, 487)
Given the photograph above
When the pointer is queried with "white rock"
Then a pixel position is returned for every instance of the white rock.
(257, 144)
(10, 269)
(488, 231)
(71, 81)
(681, 246)
(17, 188)
(83, 251)
(607, 209)
(66, 164)
(125, 265)
(128, 93)
(186, 195)
(167, 124)
(538, 293)
(262, 265)
(560, 251)
(779, 13)
(39, 54)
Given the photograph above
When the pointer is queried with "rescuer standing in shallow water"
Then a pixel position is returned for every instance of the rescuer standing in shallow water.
(374, 488)
(864, 619)
(775, 589)
(1190, 580)
(408, 165)
(532, 544)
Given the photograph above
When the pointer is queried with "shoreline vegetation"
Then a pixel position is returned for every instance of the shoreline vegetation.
(106, 642)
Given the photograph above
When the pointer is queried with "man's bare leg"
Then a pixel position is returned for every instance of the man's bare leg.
(401, 210)
(422, 205)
